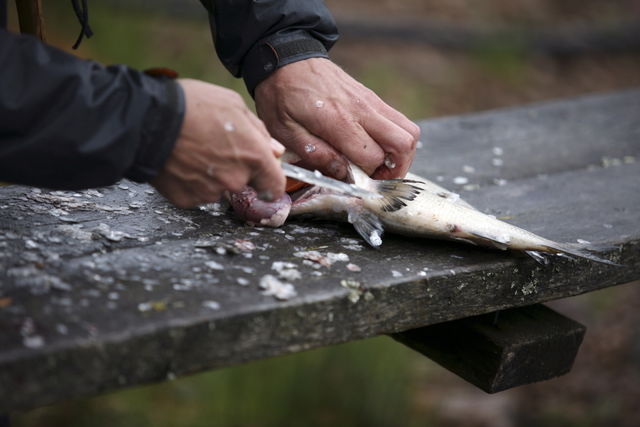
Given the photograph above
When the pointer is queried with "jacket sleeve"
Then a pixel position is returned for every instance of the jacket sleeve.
(255, 38)
(68, 123)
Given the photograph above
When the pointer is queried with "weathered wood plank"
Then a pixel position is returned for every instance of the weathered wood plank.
(501, 350)
(536, 139)
(85, 310)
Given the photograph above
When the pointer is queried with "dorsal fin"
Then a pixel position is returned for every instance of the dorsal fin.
(396, 192)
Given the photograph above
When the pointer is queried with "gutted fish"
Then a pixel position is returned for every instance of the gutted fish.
(413, 206)
(417, 207)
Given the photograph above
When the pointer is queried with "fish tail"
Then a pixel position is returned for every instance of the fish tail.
(396, 192)
(577, 250)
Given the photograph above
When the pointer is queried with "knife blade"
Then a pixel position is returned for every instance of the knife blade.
(317, 178)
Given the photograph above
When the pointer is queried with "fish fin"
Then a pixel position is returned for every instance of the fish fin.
(577, 250)
(395, 192)
(499, 242)
(539, 257)
(368, 225)
(462, 239)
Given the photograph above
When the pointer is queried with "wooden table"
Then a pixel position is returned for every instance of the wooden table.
(110, 288)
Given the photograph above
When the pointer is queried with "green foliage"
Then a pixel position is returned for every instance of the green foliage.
(358, 384)
(143, 40)
(413, 100)
(504, 58)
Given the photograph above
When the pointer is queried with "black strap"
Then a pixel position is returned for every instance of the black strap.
(82, 13)
(297, 47)
(3, 14)
(266, 57)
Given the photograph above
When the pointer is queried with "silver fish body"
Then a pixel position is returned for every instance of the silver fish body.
(417, 207)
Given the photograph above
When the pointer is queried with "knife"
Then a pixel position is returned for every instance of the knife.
(317, 178)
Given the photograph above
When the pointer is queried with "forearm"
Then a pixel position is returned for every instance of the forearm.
(253, 39)
(67, 123)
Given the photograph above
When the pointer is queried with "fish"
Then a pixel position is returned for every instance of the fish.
(412, 206)
(416, 207)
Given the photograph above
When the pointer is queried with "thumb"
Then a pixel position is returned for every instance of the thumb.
(277, 148)
(268, 180)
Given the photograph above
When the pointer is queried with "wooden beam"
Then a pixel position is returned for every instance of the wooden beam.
(111, 289)
(501, 350)
(31, 17)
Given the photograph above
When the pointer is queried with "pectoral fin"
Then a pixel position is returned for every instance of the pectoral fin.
(499, 242)
(368, 225)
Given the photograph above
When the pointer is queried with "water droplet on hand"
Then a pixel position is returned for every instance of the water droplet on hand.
(388, 162)
(229, 127)
(319, 103)
(309, 148)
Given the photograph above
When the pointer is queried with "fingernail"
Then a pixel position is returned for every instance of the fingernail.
(265, 196)
(290, 157)
(337, 169)
(277, 146)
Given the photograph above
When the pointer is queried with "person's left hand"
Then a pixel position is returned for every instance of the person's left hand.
(322, 114)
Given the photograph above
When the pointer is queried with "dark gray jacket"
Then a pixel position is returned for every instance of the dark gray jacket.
(68, 123)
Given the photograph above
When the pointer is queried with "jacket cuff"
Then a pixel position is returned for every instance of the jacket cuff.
(160, 130)
(275, 52)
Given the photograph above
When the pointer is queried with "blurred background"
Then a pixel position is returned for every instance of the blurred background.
(426, 58)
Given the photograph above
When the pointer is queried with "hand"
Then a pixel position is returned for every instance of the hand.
(222, 146)
(322, 114)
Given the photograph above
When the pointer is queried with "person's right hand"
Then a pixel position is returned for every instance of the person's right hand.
(222, 146)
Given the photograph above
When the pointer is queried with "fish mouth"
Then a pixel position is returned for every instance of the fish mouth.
(306, 194)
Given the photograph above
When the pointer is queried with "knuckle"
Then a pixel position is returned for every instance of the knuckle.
(415, 131)
(232, 94)
(407, 142)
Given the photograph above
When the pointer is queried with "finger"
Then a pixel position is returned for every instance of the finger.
(268, 180)
(174, 191)
(267, 177)
(315, 153)
(233, 177)
(209, 191)
(276, 148)
(399, 119)
(257, 124)
(398, 144)
(349, 138)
